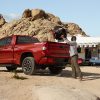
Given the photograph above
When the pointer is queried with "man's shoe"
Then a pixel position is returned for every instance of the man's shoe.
(80, 78)
(74, 77)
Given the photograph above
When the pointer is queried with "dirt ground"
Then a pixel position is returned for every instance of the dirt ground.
(26, 87)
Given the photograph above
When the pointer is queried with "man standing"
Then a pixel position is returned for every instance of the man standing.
(76, 71)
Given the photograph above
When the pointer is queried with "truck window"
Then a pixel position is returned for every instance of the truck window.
(5, 41)
(26, 39)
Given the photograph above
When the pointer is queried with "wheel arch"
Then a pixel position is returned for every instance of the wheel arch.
(24, 55)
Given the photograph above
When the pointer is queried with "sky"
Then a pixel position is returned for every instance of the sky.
(85, 13)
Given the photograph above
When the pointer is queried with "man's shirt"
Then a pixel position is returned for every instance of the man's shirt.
(73, 47)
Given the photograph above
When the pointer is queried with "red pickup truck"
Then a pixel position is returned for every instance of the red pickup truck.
(30, 54)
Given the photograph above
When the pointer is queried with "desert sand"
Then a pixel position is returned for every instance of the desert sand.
(43, 86)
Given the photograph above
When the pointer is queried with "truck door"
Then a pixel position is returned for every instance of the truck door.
(6, 50)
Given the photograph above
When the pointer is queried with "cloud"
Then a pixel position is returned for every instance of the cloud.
(11, 17)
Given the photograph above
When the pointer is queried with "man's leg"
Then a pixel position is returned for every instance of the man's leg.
(73, 68)
(78, 70)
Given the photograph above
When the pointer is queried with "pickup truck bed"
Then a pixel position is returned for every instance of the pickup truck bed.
(30, 54)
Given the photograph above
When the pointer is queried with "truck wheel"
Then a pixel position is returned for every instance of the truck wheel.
(55, 70)
(28, 66)
(11, 68)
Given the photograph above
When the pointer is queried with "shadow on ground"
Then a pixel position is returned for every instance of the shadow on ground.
(65, 73)
(86, 75)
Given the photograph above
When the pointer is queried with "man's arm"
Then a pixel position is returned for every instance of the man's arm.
(66, 40)
(69, 42)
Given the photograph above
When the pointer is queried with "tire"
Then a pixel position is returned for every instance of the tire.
(28, 66)
(11, 68)
(55, 70)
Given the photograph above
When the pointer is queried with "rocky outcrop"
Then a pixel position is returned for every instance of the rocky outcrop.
(2, 21)
(54, 19)
(26, 13)
(37, 23)
(39, 28)
(74, 29)
(37, 13)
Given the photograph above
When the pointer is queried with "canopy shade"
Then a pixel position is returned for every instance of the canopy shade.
(87, 41)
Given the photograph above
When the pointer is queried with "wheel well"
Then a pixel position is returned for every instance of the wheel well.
(24, 55)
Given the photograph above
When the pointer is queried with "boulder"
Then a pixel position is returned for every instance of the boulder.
(74, 29)
(26, 13)
(37, 13)
(2, 21)
(53, 18)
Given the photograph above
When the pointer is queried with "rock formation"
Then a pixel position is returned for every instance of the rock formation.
(26, 13)
(36, 23)
(2, 21)
(74, 29)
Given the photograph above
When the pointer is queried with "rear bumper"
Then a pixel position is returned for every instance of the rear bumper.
(54, 61)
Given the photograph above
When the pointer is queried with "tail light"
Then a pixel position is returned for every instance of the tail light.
(45, 48)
